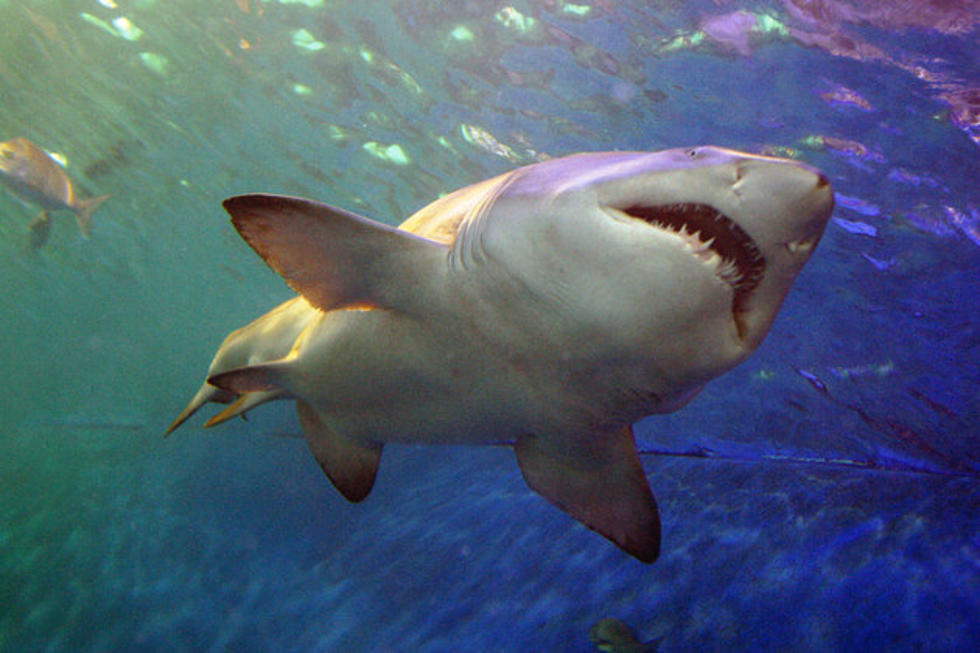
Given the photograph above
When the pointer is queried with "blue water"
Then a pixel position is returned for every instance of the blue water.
(823, 496)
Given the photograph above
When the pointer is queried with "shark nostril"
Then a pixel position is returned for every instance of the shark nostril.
(737, 181)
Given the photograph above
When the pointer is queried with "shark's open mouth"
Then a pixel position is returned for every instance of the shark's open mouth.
(710, 232)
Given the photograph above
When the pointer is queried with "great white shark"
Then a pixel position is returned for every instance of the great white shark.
(548, 308)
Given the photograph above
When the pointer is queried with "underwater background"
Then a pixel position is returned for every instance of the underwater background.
(825, 495)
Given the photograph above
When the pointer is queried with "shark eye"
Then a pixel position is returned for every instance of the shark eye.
(693, 153)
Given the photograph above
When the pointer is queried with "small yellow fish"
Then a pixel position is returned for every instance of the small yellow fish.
(31, 174)
(611, 635)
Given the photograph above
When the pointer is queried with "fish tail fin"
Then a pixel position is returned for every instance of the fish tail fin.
(84, 210)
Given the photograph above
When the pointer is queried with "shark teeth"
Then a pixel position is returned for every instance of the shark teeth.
(715, 239)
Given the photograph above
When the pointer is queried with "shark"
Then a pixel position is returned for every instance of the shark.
(546, 309)
(34, 176)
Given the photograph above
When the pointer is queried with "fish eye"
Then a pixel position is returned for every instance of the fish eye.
(693, 153)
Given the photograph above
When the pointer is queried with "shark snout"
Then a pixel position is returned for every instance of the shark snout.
(820, 179)
(811, 228)
(749, 170)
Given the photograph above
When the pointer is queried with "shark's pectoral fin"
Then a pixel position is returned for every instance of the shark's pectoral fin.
(603, 486)
(335, 258)
(350, 465)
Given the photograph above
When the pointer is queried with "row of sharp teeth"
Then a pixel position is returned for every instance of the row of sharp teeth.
(725, 268)
(729, 272)
(692, 237)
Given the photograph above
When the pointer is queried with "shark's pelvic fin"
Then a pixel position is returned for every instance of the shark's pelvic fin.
(603, 487)
(333, 257)
(350, 465)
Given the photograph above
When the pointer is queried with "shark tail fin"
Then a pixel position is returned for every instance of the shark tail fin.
(243, 404)
(207, 393)
(601, 485)
(84, 210)
(266, 377)
(350, 465)
(334, 258)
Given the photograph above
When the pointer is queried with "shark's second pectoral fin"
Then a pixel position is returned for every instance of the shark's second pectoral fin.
(350, 465)
(335, 258)
(601, 485)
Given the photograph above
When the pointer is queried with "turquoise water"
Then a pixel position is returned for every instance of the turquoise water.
(824, 495)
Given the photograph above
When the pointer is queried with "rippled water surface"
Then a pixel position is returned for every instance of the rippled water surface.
(822, 496)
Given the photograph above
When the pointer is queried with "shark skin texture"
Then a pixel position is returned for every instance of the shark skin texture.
(548, 308)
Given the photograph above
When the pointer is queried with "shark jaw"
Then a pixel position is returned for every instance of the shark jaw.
(717, 241)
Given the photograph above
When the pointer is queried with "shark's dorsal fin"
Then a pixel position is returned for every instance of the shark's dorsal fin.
(335, 258)
(350, 465)
(603, 486)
